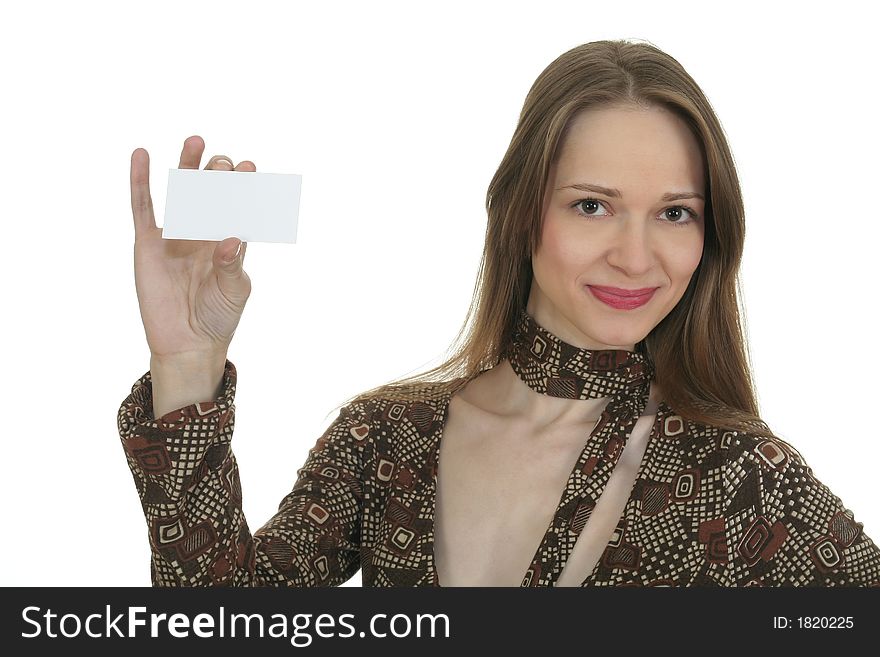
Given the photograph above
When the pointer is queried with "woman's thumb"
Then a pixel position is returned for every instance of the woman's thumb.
(229, 261)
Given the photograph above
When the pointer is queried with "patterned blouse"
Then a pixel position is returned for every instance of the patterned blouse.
(709, 507)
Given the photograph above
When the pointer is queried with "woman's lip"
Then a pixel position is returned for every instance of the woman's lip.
(621, 302)
(622, 292)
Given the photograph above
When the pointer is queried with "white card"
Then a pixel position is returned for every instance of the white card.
(203, 204)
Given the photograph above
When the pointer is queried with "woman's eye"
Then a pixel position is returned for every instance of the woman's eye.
(588, 206)
(677, 217)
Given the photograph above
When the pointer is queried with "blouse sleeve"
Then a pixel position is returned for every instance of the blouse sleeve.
(787, 528)
(188, 483)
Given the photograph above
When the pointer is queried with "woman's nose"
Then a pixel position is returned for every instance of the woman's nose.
(631, 248)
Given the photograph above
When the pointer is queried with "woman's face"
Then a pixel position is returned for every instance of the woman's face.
(632, 241)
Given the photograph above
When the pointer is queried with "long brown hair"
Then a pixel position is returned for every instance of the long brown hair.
(700, 358)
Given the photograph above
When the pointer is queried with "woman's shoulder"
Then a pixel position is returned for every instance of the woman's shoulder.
(760, 470)
(756, 446)
(398, 399)
(752, 463)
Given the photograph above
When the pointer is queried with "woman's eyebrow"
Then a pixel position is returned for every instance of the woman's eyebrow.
(615, 193)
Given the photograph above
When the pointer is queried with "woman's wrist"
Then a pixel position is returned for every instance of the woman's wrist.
(185, 379)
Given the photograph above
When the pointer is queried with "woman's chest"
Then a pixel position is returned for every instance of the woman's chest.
(499, 487)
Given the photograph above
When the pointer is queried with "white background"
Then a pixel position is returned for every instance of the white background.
(396, 116)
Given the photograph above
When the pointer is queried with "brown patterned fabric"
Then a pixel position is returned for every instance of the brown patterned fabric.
(709, 507)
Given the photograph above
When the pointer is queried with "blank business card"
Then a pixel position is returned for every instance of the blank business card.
(203, 204)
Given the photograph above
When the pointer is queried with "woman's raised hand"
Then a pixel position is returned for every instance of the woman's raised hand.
(191, 293)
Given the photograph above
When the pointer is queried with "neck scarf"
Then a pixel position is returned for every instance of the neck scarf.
(553, 367)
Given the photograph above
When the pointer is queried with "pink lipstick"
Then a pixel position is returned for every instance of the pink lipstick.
(621, 298)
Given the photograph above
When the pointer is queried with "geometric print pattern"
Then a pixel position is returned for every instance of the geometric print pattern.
(553, 367)
(709, 507)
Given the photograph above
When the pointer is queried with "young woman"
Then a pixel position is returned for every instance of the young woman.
(597, 425)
